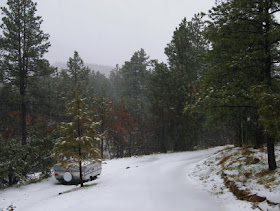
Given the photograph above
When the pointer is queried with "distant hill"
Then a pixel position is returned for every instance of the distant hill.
(101, 68)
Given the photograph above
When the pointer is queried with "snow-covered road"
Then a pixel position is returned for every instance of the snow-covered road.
(153, 183)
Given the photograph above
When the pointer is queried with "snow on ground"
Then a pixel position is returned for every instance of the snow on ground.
(159, 182)
(247, 168)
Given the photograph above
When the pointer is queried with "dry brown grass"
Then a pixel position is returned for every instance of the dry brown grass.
(265, 172)
(247, 174)
(224, 159)
(262, 149)
(246, 152)
(266, 178)
(251, 160)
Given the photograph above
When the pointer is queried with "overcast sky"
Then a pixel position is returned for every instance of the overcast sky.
(108, 32)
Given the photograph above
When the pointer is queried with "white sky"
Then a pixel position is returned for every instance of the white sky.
(108, 32)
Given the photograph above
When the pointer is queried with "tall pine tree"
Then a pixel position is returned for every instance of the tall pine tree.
(244, 37)
(23, 45)
(185, 68)
(134, 80)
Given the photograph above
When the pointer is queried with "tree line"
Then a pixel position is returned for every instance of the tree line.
(220, 85)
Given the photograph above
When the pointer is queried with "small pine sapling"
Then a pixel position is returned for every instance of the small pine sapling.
(79, 140)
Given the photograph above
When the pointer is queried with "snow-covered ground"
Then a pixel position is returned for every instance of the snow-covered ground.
(247, 167)
(159, 182)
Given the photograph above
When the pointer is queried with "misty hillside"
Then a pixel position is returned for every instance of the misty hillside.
(101, 68)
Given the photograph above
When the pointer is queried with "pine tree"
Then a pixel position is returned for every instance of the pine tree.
(134, 81)
(244, 37)
(78, 73)
(102, 111)
(185, 49)
(115, 79)
(160, 85)
(185, 68)
(67, 81)
(79, 140)
(99, 85)
(11, 162)
(23, 45)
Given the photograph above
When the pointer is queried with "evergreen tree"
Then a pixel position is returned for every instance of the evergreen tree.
(134, 81)
(39, 149)
(134, 75)
(269, 109)
(79, 139)
(9, 112)
(185, 68)
(185, 49)
(244, 37)
(12, 162)
(76, 75)
(161, 106)
(99, 85)
(77, 71)
(102, 112)
(23, 45)
(115, 79)
(41, 92)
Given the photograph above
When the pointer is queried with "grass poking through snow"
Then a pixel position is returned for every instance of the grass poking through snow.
(247, 168)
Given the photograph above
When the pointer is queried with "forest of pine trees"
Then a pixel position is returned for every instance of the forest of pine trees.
(220, 85)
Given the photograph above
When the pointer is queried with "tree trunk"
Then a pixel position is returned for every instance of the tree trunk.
(22, 85)
(102, 148)
(102, 129)
(79, 135)
(163, 148)
(259, 137)
(11, 176)
(271, 154)
(268, 70)
(121, 149)
(102, 140)
(81, 174)
(23, 110)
